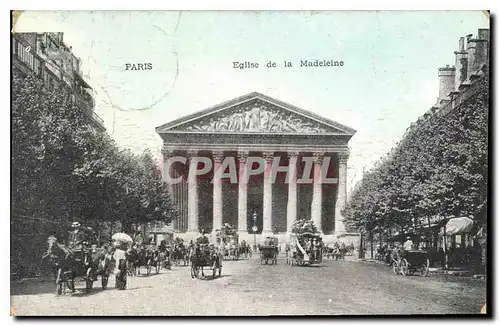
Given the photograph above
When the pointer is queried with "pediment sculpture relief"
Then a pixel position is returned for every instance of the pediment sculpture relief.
(257, 117)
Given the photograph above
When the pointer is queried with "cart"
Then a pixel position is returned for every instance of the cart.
(205, 255)
(305, 249)
(269, 251)
(410, 262)
(227, 238)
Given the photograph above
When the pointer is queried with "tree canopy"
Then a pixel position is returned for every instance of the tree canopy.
(64, 169)
(438, 170)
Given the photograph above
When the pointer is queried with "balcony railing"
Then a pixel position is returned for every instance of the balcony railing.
(82, 97)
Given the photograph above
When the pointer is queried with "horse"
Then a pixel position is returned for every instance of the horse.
(64, 265)
(232, 251)
(245, 250)
(145, 257)
(132, 261)
(204, 256)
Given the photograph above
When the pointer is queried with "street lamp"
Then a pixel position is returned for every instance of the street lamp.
(254, 229)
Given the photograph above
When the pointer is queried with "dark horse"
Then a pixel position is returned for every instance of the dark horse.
(205, 256)
(146, 257)
(132, 261)
(64, 265)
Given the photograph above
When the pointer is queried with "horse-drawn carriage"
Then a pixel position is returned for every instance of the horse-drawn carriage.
(165, 253)
(408, 262)
(245, 250)
(269, 251)
(180, 253)
(227, 239)
(335, 251)
(81, 258)
(305, 249)
(205, 255)
(305, 245)
(147, 256)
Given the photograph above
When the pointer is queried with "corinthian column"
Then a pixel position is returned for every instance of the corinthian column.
(192, 194)
(316, 204)
(242, 193)
(291, 207)
(268, 194)
(217, 218)
(342, 192)
(166, 173)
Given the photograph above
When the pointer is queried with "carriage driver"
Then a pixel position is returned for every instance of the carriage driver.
(202, 239)
(76, 236)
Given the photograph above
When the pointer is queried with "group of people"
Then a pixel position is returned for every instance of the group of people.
(312, 246)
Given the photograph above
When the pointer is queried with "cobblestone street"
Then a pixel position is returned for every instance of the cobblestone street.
(248, 288)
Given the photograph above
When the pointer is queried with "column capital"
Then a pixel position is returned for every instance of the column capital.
(343, 157)
(292, 154)
(268, 156)
(167, 152)
(191, 153)
(318, 157)
(242, 156)
(218, 156)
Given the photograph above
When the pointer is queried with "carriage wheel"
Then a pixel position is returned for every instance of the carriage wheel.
(395, 267)
(89, 282)
(405, 267)
(424, 270)
(262, 261)
(104, 281)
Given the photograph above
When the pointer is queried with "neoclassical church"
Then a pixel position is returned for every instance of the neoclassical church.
(255, 125)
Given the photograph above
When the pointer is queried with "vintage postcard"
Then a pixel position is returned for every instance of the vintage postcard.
(249, 163)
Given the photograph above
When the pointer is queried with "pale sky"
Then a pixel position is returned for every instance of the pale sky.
(388, 80)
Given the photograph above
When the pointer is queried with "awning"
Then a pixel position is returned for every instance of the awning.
(458, 225)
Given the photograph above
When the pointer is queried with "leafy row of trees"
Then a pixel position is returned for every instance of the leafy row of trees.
(438, 170)
(64, 170)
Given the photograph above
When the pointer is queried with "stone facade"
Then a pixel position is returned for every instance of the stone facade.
(244, 130)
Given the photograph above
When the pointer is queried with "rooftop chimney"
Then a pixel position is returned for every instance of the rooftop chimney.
(446, 82)
(460, 63)
(478, 51)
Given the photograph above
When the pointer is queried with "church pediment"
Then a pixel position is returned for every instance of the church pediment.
(255, 113)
